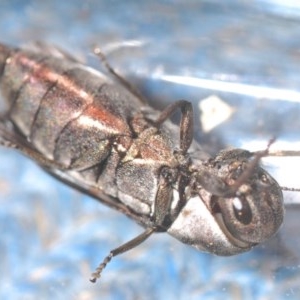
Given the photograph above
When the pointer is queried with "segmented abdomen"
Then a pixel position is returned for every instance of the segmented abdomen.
(62, 107)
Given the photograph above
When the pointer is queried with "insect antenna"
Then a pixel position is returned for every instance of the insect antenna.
(250, 167)
(284, 153)
(285, 188)
(121, 249)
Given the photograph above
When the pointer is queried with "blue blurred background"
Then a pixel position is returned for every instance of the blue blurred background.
(244, 53)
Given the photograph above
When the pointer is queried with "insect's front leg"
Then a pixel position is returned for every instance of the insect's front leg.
(163, 199)
(168, 177)
(186, 122)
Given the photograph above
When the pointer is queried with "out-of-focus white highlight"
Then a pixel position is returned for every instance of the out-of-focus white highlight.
(235, 87)
(214, 111)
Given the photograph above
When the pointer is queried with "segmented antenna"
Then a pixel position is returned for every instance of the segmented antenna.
(121, 249)
(282, 153)
(284, 188)
(250, 167)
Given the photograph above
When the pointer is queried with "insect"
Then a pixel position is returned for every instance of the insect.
(97, 135)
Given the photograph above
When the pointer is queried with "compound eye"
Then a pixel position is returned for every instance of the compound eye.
(242, 210)
(251, 217)
(252, 213)
(240, 217)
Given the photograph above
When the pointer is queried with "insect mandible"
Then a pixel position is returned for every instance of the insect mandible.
(99, 136)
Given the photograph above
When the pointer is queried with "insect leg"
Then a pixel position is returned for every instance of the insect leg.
(123, 248)
(186, 122)
(163, 198)
(118, 77)
(164, 195)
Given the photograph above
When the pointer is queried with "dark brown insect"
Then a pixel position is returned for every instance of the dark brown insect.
(98, 136)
